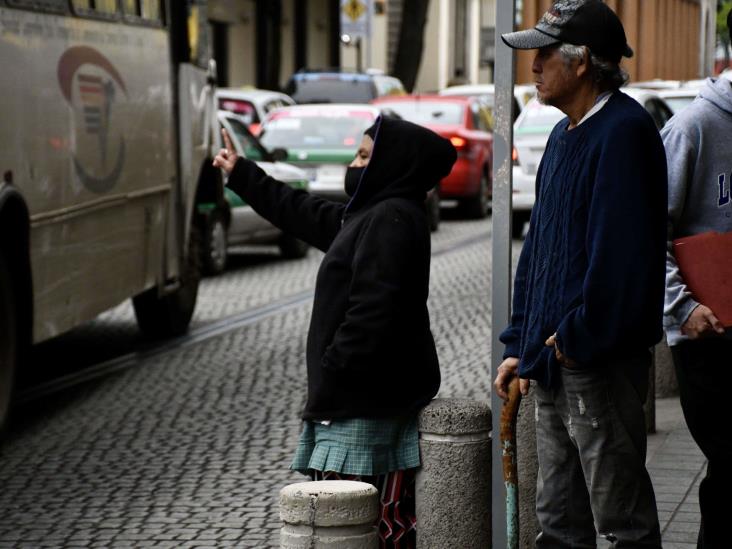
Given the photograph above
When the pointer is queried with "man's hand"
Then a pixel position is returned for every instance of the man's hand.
(227, 157)
(552, 342)
(702, 323)
(506, 372)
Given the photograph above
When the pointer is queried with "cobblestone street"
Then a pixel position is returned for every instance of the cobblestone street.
(189, 448)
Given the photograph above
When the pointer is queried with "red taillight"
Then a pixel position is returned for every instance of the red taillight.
(458, 142)
(514, 157)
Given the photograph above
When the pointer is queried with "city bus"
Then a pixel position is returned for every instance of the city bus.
(106, 114)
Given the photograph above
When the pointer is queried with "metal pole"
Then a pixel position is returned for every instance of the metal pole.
(501, 255)
(359, 63)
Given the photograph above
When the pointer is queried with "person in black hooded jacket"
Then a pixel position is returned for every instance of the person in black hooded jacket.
(371, 358)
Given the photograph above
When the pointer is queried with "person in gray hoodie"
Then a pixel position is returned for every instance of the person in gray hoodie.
(698, 144)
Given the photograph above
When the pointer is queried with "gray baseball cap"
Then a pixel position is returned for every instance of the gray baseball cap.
(588, 23)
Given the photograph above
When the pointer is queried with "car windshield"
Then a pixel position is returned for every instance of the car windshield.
(428, 112)
(318, 130)
(246, 140)
(337, 88)
(538, 118)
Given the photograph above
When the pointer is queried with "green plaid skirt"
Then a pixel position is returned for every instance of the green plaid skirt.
(358, 446)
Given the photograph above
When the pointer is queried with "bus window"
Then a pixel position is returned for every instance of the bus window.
(105, 6)
(150, 9)
(198, 33)
(100, 7)
(130, 7)
(55, 6)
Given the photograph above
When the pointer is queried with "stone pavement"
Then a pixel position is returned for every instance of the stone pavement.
(676, 466)
(190, 448)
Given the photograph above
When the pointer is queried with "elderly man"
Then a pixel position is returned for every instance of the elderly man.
(699, 150)
(588, 297)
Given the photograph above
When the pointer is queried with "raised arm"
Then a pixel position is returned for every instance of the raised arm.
(307, 217)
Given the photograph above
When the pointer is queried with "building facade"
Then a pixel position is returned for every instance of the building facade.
(262, 42)
(665, 35)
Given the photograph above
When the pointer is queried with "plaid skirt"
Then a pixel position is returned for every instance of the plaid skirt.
(397, 522)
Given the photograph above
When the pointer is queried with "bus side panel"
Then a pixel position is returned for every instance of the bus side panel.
(87, 135)
(85, 265)
(196, 122)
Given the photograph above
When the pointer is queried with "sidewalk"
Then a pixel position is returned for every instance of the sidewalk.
(676, 466)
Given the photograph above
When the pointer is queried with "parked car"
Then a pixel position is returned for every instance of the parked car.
(338, 86)
(653, 103)
(466, 122)
(230, 221)
(251, 105)
(680, 98)
(531, 133)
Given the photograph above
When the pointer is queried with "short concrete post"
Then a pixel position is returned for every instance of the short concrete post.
(329, 514)
(453, 486)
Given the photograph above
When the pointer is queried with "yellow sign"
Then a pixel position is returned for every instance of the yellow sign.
(354, 9)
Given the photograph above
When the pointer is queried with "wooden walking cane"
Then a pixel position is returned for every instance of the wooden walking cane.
(509, 413)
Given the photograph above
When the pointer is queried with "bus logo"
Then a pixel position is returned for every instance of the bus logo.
(90, 84)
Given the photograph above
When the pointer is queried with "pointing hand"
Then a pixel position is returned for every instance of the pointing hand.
(226, 158)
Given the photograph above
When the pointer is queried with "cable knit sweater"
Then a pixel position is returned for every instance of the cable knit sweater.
(593, 264)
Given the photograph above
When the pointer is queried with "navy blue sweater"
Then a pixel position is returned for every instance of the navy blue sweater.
(592, 268)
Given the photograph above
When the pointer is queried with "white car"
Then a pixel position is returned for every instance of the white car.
(232, 222)
(251, 105)
(680, 98)
(531, 132)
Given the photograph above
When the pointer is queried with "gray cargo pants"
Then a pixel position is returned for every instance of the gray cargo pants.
(591, 443)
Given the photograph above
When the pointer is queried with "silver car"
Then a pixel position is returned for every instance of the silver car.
(232, 222)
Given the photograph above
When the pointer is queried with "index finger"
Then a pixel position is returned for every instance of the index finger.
(714, 321)
(227, 140)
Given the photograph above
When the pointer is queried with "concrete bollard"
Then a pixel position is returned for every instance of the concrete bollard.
(329, 514)
(453, 486)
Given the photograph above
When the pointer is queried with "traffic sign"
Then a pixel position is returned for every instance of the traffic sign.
(356, 18)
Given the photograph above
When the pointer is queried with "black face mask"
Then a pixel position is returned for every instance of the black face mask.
(353, 176)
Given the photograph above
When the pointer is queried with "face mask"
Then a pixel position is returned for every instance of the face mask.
(353, 176)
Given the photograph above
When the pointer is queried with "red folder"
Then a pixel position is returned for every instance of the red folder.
(705, 261)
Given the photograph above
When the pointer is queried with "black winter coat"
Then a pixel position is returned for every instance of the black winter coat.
(370, 352)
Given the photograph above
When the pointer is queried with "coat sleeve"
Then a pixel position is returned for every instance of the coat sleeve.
(384, 254)
(511, 336)
(681, 157)
(622, 293)
(310, 218)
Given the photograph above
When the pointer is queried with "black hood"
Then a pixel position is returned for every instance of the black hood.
(407, 161)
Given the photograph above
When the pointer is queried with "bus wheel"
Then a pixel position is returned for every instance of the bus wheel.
(215, 244)
(292, 248)
(169, 315)
(8, 339)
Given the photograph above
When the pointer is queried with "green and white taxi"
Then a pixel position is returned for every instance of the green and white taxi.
(320, 139)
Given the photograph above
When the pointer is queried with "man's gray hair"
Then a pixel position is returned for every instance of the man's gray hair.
(607, 75)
